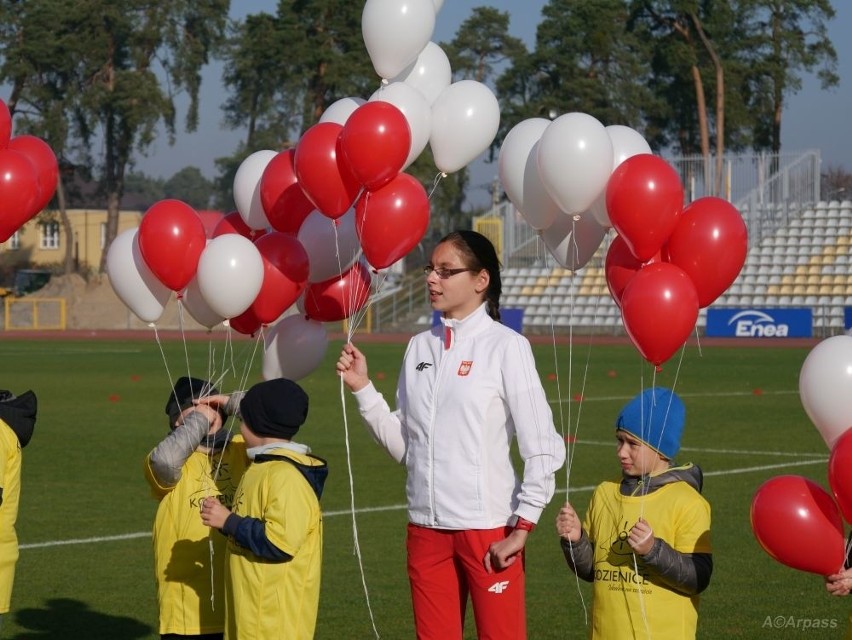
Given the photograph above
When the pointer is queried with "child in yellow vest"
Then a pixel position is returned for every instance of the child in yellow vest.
(645, 541)
(197, 459)
(275, 530)
(17, 421)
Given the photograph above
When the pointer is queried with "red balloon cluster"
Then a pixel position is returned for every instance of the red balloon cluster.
(668, 261)
(29, 173)
(359, 164)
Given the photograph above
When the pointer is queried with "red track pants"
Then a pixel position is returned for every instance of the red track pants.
(444, 567)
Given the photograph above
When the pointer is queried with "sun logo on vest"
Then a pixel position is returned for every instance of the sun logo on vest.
(465, 367)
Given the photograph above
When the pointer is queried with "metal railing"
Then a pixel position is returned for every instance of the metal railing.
(768, 189)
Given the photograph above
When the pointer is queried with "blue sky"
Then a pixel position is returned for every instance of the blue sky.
(814, 119)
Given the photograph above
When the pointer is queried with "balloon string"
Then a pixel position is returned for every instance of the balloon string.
(440, 176)
(356, 543)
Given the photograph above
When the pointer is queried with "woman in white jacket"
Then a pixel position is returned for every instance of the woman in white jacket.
(467, 387)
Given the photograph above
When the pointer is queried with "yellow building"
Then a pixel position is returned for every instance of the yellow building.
(42, 241)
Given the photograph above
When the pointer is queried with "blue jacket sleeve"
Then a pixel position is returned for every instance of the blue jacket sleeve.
(251, 534)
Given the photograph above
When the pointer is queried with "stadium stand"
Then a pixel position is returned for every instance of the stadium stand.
(804, 263)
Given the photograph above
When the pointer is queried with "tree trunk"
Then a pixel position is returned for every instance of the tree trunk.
(701, 105)
(720, 102)
(69, 265)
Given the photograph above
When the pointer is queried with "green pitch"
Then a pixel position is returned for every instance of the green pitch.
(85, 568)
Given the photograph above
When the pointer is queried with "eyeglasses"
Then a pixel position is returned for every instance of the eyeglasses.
(443, 273)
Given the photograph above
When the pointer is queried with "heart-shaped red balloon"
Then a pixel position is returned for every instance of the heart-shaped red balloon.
(392, 220)
(339, 297)
(710, 243)
(20, 193)
(285, 274)
(659, 308)
(644, 197)
(797, 523)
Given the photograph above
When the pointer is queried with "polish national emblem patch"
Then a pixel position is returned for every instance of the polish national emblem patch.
(464, 367)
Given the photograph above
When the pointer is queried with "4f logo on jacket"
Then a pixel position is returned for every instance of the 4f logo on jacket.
(423, 365)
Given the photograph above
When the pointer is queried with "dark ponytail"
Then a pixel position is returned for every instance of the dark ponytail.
(479, 253)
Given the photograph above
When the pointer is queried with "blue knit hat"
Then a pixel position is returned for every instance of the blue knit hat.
(655, 417)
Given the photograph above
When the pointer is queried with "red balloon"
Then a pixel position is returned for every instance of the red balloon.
(644, 197)
(5, 125)
(245, 323)
(710, 243)
(620, 266)
(797, 523)
(840, 473)
(19, 192)
(375, 142)
(45, 163)
(659, 308)
(338, 297)
(171, 239)
(285, 274)
(233, 223)
(324, 177)
(285, 204)
(392, 220)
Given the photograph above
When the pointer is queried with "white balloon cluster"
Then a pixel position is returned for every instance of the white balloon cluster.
(556, 172)
(457, 119)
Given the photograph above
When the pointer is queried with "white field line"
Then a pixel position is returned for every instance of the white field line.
(720, 394)
(400, 507)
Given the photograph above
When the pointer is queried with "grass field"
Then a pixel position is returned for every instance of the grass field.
(85, 568)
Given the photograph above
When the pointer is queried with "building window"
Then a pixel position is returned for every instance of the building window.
(49, 235)
(15, 241)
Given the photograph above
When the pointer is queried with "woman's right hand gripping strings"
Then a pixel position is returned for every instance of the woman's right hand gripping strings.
(352, 368)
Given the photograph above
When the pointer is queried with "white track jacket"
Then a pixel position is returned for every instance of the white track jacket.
(465, 390)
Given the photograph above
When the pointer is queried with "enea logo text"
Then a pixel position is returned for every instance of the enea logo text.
(789, 322)
(757, 324)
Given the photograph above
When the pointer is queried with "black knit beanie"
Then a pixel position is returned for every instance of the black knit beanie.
(186, 390)
(275, 408)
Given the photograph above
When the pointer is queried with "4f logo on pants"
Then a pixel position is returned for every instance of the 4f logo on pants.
(499, 587)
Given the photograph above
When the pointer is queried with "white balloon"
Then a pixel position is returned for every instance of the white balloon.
(230, 274)
(575, 160)
(340, 110)
(247, 188)
(430, 73)
(825, 387)
(539, 208)
(465, 119)
(626, 143)
(600, 212)
(332, 245)
(133, 281)
(197, 306)
(438, 5)
(417, 113)
(572, 240)
(395, 32)
(293, 348)
(518, 172)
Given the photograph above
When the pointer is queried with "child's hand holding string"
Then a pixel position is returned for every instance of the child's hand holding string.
(641, 537)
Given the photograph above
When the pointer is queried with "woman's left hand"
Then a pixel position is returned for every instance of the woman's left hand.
(504, 553)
